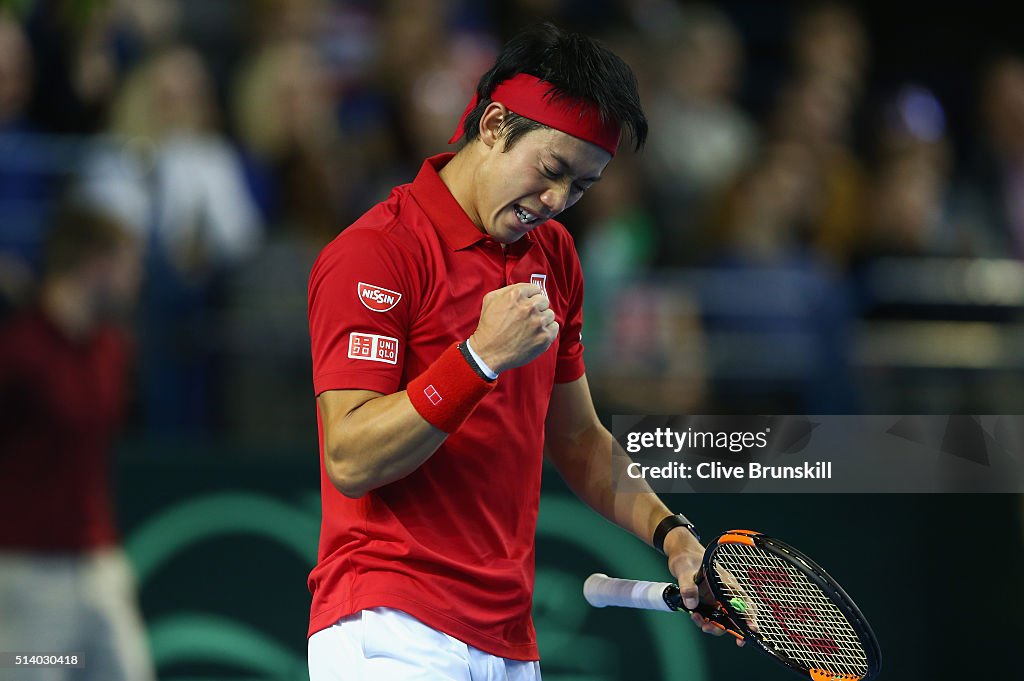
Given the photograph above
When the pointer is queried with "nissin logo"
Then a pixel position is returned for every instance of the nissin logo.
(377, 298)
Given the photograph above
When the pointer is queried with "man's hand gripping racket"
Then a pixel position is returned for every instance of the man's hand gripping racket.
(759, 589)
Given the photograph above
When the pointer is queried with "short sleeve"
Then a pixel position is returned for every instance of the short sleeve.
(360, 302)
(570, 337)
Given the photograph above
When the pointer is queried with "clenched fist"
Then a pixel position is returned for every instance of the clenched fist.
(516, 326)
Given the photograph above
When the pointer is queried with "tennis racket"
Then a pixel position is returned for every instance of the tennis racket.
(769, 593)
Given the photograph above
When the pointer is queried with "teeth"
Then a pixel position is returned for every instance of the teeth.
(524, 215)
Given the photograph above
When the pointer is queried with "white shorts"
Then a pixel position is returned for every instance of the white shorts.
(383, 644)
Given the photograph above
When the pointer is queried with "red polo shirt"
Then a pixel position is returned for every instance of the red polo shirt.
(453, 542)
(62, 402)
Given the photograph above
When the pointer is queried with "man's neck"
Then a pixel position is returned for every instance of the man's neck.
(460, 177)
(66, 305)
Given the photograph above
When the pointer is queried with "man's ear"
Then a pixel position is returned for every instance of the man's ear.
(491, 123)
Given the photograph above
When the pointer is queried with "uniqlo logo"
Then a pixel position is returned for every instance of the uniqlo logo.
(431, 392)
(360, 346)
(373, 348)
(387, 350)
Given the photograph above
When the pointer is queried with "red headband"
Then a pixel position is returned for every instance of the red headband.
(537, 100)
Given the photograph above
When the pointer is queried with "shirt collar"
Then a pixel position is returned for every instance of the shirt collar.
(445, 213)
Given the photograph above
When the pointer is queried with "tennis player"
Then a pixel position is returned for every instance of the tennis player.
(447, 361)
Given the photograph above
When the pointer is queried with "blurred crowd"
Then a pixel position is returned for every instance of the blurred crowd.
(731, 265)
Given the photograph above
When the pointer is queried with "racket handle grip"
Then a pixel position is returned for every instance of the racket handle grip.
(601, 591)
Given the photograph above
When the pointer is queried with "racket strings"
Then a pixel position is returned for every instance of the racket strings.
(794, 616)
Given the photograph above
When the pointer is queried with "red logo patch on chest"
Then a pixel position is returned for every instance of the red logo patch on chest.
(540, 280)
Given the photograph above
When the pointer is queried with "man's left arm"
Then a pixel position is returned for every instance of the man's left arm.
(581, 449)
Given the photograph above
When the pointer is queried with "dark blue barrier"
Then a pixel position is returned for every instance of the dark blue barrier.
(223, 541)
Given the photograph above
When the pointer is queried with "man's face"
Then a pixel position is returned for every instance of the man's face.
(545, 172)
(115, 278)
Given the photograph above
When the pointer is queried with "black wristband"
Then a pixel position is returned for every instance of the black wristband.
(472, 363)
(670, 523)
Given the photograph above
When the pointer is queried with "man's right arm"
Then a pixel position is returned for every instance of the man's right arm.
(372, 439)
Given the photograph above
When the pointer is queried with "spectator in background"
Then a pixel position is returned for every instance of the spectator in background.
(72, 62)
(781, 313)
(413, 35)
(16, 74)
(83, 49)
(448, 77)
(814, 113)
(284, 113)
(816, 108)
(762, 219)
(77, 52)
(173, 176)
(702, 137)
(27, 185)
(427, 68)
(992, 193)
(829, 41)
(645, 343)
(617, 243)
(279, 21)
(908, 212)
(65, 585)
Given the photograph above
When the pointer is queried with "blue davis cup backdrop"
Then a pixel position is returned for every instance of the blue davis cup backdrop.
(222, 559)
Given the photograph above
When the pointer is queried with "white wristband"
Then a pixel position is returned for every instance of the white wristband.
(488, 371)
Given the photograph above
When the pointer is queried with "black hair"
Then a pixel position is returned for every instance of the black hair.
(577, 66)
(79, 233)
